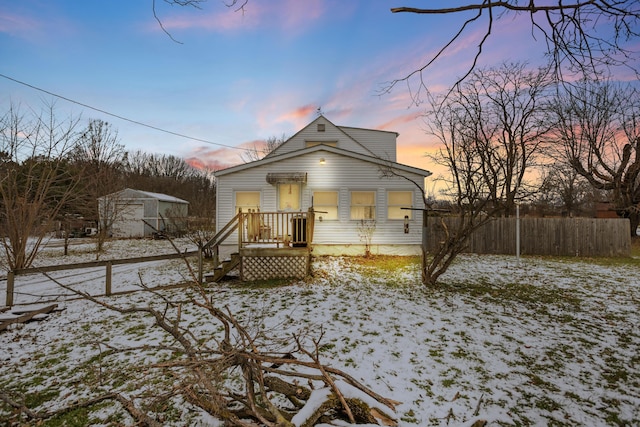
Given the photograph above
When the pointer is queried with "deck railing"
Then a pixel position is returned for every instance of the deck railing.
(280, 229)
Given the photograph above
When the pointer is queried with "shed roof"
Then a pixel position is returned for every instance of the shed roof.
(130, 193)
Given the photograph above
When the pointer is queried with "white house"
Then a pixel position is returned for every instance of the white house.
(339, 171)
(136, 213)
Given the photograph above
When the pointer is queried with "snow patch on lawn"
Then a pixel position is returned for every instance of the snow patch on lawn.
(536, 342)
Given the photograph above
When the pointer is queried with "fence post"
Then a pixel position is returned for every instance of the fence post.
(10, 282)
(518, 233)
(424, 245)
(108, 280)
(200, 264)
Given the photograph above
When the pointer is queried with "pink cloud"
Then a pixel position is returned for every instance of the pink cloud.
(16, 25)
(301, 113)
(219, 21)
(213, 158)
(392, 124)
(290, 15)
(35, 26)
(23, 25)
(205, 157)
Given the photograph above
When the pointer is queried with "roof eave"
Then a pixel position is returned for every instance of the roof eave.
(336, 150)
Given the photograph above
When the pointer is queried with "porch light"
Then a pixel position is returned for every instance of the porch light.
(322, 161)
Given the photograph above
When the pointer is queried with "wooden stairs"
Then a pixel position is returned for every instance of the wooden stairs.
(224, 268)
(260, 229)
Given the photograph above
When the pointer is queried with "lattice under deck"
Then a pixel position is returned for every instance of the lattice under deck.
(274, 267)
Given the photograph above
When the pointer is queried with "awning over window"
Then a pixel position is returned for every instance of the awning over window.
(286, 177)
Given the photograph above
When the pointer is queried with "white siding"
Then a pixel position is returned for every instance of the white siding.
(129, 222)
(381, 143)
(339, 173)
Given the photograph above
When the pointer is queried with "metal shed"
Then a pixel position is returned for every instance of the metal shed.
(137, 213)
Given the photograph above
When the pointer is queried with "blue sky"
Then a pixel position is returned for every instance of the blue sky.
(237, 78)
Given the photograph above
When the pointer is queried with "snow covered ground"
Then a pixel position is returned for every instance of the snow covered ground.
(539, 342)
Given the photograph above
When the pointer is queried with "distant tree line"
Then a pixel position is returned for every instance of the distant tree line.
(106, 167)
(53, 169)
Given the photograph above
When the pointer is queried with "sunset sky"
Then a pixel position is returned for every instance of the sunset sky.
(236, 78)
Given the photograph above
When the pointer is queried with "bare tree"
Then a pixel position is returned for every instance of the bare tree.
(490, 131)
(465, 186)
(101, 156)
(36, 181)
(563, 188)
(599, 127)
(366, 229)
(504, 111)
(584, 37)
(256, 153)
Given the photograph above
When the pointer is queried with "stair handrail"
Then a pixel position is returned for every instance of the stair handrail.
(224, 232)
(218, 238)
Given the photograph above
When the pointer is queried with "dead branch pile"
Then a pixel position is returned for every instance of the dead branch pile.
(234, 376)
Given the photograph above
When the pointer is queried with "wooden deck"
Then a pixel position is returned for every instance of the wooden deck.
(270, 245)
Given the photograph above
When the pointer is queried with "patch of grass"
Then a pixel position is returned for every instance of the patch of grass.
(33, 400)
(387, 262)
(612, 412)
(615, 375)
(547, 404)
(632, 260)
(635, 246)
(409, 417)
(384, 269)
(81, 417)
(138, 329)
(436, 353)
(460, 353)
(327, 347)
(448, 382)
(533, 295)
(536, 380)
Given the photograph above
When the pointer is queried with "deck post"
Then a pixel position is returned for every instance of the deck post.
(216, 256)
(310, 225)
(240, 227)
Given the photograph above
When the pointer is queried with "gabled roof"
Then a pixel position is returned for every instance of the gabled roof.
(139, 194)
(329, 122)
(371, 159)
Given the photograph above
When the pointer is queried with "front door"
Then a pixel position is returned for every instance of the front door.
(289, 197)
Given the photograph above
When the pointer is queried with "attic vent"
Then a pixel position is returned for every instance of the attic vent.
(286, 177)
(320, 127)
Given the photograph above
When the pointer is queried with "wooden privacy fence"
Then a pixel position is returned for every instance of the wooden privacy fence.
(541, 236)
(108, 264)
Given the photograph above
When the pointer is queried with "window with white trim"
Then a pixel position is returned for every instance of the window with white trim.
(326, 205)
(363, 205)
(247, 201)
(396, 200)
